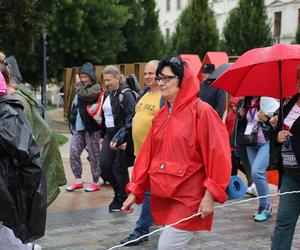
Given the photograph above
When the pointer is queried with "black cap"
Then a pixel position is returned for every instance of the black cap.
(208, 68)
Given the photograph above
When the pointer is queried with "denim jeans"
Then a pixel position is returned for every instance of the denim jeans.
(145, 220)
(287, 215)
(259, 160)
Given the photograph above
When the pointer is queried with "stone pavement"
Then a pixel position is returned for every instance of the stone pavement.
(81, 221)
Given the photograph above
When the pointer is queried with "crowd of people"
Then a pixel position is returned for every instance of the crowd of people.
(174, 137)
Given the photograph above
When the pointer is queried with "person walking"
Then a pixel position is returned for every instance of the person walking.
(256, 125)
(45, 138)
(287, 142)
(23, 195)
(86, 131)
(145, 110)
(216, 98)
(179, 160)
(239, 130)
(116, 138)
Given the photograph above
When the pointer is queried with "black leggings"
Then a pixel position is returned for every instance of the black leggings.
(114, 166)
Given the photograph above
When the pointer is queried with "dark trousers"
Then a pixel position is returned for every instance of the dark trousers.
(145, 220)
(114, 166)
(242, 151)
(287, 215)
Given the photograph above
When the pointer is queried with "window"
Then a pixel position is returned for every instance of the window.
(168, 5)
(277, 24)
(178, 4)
(167, 33)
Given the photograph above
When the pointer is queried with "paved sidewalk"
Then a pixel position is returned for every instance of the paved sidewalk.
(81, 221)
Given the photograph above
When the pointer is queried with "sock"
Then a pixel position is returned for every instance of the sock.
(78, 180)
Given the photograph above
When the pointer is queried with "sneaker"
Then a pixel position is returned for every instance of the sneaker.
(252, 190)
(133, 237)
(74, 186)
(116, 204)
(36, 247)
(92, 187)
(263, 215)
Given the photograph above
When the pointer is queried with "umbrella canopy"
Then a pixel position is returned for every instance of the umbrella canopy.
(269, 71)
(219, 71)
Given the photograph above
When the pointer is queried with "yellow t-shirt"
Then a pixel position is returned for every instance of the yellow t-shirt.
(145, 111)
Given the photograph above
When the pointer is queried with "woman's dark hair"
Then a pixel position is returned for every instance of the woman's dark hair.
(176, 65)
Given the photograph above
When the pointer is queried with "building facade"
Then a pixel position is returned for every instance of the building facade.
(284, 16)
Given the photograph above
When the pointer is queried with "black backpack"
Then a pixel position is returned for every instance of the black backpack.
(133, 87)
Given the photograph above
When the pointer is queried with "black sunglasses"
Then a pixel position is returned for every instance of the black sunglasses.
(175, 60)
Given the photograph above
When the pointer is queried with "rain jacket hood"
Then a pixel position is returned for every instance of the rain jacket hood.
(180, 159)
(188, 90)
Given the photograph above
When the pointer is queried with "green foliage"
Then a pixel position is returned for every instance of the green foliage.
(247, 27)
(144, 40)
(20, 31)
(91, 31)
(196, 30)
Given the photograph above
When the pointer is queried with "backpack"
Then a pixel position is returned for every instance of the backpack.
(133, 87)
(95, 110)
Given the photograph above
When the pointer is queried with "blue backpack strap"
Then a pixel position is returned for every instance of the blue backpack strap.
(161, 102)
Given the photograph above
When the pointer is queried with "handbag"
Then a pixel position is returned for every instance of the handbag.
(95, 110)
(251, 139)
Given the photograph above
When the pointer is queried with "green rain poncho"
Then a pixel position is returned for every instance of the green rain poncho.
(51, 159)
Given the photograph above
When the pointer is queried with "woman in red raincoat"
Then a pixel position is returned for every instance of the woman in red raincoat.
(185, 159)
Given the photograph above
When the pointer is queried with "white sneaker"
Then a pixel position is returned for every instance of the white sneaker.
(36, 247)
(252, 190)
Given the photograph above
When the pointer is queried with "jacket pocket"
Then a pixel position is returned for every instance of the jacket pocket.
(166, 177)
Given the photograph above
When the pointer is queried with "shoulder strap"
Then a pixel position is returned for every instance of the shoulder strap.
(122, 93)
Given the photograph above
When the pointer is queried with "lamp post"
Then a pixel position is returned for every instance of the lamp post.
(44, 84)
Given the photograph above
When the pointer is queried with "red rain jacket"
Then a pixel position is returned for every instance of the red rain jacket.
(185, 152)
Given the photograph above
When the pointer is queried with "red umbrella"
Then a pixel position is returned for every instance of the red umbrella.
(269, 71)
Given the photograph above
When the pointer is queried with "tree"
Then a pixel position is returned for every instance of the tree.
(196, 30)
(297, 40)
(144, 40)
(247, 27)
(91, 31)
(20, 30)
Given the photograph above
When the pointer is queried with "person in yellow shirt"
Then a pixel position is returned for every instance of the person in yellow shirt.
(145, 110)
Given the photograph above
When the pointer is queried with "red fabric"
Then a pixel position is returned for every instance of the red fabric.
(257, 72)
(194, 62)
(229, 123)
(183, 154)
(216, 58)
(273, 177)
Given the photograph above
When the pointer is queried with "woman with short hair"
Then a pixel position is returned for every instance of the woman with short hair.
(180, 159)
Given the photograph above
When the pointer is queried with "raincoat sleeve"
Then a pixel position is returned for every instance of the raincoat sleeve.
(88, 94)
(214, 145)
(140, 178)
